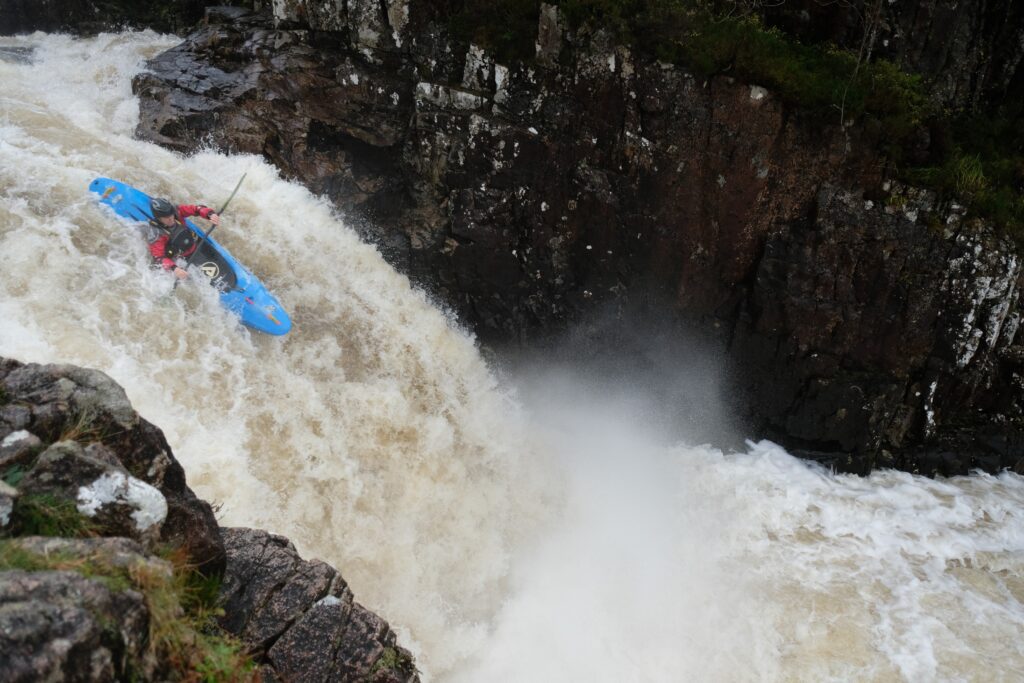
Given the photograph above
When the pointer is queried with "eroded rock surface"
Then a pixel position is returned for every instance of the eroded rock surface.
(101, 455)
(299, 617)
(865, 324)
(63, 625)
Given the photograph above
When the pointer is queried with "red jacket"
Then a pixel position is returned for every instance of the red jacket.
(158, 247)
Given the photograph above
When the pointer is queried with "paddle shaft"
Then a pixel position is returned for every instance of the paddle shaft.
(195, 251)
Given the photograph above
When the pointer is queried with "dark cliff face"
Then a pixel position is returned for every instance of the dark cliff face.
(869, 331)
(867, 326)
(970, 52)
(523, 195)
(93, 16)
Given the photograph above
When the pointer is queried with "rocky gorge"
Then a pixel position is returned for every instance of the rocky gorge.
(866, 322)
(869, 323)
(112, 569)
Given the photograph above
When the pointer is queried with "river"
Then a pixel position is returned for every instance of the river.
(526, 525)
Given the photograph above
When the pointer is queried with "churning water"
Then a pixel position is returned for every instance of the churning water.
(535, 536)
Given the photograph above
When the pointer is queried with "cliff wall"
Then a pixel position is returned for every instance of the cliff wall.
(868, 324)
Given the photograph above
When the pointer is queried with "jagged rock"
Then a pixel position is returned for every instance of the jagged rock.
(528, 197)
(868, 330)
(60, 625)
(298, 617)
(63, 402)
(93, 16)
(69, 608)
(120, 504)
(549, 35)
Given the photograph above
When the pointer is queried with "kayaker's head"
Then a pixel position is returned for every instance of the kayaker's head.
(163, 212)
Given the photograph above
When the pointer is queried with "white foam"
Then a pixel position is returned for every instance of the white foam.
(501, 547)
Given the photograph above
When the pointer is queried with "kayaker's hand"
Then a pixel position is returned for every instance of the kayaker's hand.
(214, 218)
(180, 273)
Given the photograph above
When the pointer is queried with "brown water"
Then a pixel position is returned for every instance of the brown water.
(506, 538)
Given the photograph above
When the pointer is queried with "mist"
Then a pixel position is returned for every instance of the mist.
(587, 510)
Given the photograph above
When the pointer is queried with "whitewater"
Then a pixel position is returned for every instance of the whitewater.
(512, 525)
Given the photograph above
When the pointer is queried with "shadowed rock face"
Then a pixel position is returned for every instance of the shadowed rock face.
(61, 625)
(970, 52)
(93, 16)
(299, 619)
(873, 333)
(865, 325)
(52, 626)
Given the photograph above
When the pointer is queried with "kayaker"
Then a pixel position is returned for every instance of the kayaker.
(174, 239)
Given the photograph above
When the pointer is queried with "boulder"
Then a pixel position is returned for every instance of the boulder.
(62, 625)
(101, 454)
(299, 619)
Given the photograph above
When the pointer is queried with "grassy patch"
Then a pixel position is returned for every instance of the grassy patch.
(183, 629)
(47, 515)
(182, 610)
(86, 427)
(13, 556)
(13, 475)
(393, 659)
(982, 164)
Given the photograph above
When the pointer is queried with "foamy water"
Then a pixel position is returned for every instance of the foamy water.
(539, 538)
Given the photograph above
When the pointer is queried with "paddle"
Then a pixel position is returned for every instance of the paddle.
(195, 251)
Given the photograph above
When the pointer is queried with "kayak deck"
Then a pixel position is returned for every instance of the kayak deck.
(240, 291)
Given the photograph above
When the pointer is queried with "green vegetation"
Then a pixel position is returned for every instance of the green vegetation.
(978, 159)
(392, 659)
(183, 629)
(983, 165)
(508, 28)
(45, 515)
(13, 475)
(12, 556)
(182, 610)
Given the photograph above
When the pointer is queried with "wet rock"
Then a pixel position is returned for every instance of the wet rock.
(858, 317)
(109, 450)
(869, 331)
(69, 609)
(94, 16)
(60, 625)
(299, 618)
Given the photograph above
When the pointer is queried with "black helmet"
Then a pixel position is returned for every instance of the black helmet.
(161, 207)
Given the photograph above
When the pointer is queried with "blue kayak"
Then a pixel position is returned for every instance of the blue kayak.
(240, 291)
